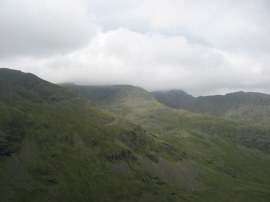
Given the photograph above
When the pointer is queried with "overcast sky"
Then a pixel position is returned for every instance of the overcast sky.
(201, 46)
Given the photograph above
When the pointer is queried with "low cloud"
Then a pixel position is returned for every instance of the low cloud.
(202, 47)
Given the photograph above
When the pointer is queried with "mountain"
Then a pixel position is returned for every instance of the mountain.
(252, 107)
(118, 143)
(56, 146)
(230, 158)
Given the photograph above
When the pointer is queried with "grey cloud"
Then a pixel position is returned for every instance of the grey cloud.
(42, 27)
(117, 13)
(203, 47)
(230, 25)
(240, 26)
(154, 62)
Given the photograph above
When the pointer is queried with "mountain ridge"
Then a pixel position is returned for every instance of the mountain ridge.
(66, 150)
(120, 144)
(245, 106)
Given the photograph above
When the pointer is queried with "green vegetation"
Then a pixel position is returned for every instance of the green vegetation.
(230, 159)
(121, 146)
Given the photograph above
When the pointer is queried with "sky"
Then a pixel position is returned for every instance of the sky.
(201, 46)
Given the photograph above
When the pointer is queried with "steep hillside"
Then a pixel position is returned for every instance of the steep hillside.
(252, 107)
(55, 146)
(177, 99)
(231, 159)
(15, 85)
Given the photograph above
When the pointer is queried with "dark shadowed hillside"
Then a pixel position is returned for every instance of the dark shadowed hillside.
(28, 87)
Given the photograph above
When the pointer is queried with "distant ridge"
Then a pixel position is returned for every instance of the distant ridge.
(246, 106)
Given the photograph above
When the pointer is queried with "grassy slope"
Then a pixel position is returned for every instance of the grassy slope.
(55, 146)
(231, 159)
